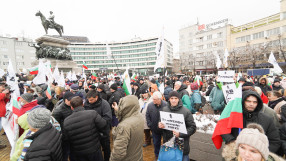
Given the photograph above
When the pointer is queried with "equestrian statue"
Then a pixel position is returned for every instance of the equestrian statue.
(50, 23)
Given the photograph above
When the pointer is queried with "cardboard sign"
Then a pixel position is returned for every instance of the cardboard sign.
(173, 121)
(226, 76)
(228, 91)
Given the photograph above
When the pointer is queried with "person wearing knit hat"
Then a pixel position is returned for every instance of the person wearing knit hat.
(113, 87)
(39, 118)
(174, 94)
(28, 97)
(42, 138)
(27, 103)
(252, 144)
(276, 85)
(115, 97)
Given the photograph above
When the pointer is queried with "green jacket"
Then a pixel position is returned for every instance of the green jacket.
(217, 99)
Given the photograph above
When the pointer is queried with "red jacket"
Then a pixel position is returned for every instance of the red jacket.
(264, 98)
(3, 102)
(28, 107)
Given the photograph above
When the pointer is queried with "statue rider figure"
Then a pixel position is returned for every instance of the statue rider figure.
(51, 18)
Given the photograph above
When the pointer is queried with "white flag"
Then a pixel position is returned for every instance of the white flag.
(69, 76)
(226, 54)
(11, 79)
(273, 61)
(108, 51)
(2, 72)
(48, 72)
(218, 61)
(74, 78)
(166, 73)
(61, 81)
(56, 74)
(160, 62)
(41, 77)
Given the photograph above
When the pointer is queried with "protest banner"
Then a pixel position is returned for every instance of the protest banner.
(226, 76)
(228, 91)
(173, 121)
(10, 127)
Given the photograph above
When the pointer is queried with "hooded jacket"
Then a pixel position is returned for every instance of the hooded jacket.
(182, 91)
(144, 107)
(264, 88)
(189, 122)
(154, 86)
(217, 99)
(127, 136)
(260, 118)
(28, 107)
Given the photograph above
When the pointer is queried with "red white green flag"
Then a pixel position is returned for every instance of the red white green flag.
(15, 107)
(198, 80)
(35, 70)
(84, 66)
(93, 76)
(48, 92)
(126, 83)
(231, 117)
(134, 78)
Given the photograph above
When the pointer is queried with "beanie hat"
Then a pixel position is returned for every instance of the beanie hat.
(27, 97)
(38, 118)
(194, 86)
(174, 94)
(114, 86)
(101, 86)
(254, 136)
(144, 91)
(74, 87)
(168, 82)
(136, 84)
(68, 96)
(276, 80)
(92, 86)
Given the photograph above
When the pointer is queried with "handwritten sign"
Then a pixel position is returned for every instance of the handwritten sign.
(226, 76)
(228, 91)
(173, 121)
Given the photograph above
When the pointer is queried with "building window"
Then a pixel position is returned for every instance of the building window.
(258, 35)
(3, 42)
(199, 55)
(200, 47)
(200, 62)
(209, 37)
(200, 39)
(274, 31)
(5, 56)
(209, 45)
(19, 43)
(5, 63)
(220, 44)
(219, 35)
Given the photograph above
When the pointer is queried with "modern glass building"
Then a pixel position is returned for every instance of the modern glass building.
(137, 54)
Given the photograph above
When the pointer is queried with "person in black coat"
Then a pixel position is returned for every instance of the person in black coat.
(101, 90)
(101, 106)
(210, 88)
(175, 105)
(153, 118)
(263, 84)
(46, 139)
(276, 85)
(137, 90)
(282, 132)
(115, 97)
(167, 89)
(252, 105)
(62, 111)
(83, 129)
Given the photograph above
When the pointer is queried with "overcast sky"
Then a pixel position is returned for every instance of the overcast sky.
(116, 20)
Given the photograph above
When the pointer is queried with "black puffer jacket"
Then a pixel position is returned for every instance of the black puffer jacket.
(60, 113)
(82, 129)
(153, 116)
(46, 145)
(115, 97)
(260, 118)
(101, 107)
(182, 91)
(167, 90)
(189, 121)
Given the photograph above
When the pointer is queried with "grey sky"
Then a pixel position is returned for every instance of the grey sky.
(116, 20)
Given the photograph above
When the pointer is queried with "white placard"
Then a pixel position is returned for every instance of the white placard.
(228, 91)
(226, 76)
(173, 121)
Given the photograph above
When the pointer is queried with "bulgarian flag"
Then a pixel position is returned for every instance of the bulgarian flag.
(93, 76)
(231, 117)
(16, 107)
(84, 66)
(198, 80)
(134, 77)
(126, 83)
(48, 92)
(35, 70)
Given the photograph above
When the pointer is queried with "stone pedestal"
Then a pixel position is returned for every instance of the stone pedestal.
(202, 148)
(63, 64)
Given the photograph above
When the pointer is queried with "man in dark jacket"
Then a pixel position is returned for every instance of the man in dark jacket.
(115, 97)
(83, 129)
(263, 84)
(101, 106)
(60, 113)
(252, 105)
(175, 105)
(101, 90)
(153, 117)
(44, 141)
(276, 85)
(167, 89)
(181, 89)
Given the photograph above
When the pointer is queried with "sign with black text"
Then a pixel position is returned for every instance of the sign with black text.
(226, 76)
(173, 121)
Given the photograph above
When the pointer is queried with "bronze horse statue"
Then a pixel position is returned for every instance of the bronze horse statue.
(48, 24)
